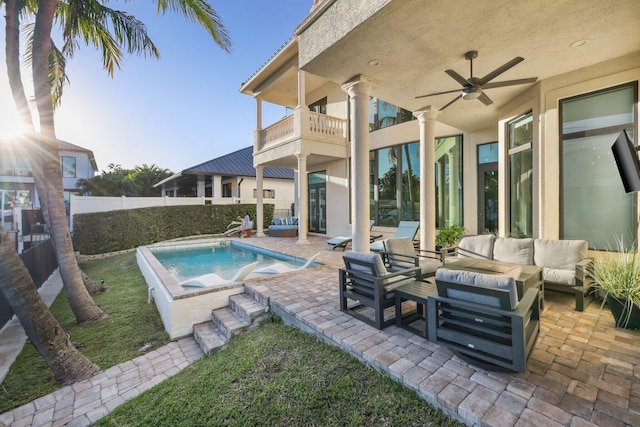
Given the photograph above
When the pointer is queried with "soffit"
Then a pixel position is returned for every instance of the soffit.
(415, 41)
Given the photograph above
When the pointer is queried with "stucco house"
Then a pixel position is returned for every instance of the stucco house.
(232, 176)
(17, 180)
(498, 116)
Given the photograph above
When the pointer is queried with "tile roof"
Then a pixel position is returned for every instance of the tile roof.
(238, 163)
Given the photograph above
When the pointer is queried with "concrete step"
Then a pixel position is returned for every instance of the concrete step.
(247, 308)
(208, 338)
(228, 323)
(241, 313)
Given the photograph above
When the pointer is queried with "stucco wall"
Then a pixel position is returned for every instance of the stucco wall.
(337, 21)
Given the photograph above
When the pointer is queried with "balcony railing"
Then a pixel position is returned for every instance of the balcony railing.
(303, 124)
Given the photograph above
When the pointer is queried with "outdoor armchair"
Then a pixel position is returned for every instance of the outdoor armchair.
(479, 317)
(400, 254)
(367, 288)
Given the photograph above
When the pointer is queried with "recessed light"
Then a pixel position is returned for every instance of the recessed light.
(579, 43)
(373, 62)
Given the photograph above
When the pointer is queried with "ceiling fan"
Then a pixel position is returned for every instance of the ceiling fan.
(473, 87)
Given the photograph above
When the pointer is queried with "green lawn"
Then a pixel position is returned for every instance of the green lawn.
(278, 376)
(273, 375)
(131, 324)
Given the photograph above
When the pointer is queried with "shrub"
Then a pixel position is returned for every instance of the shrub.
(102, 232)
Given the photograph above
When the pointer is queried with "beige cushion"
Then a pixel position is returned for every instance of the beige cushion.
(404, 246)
(375, 265)
(480, 246)
(516, 251)
(559, 254)
(488, 281)
(560, 277)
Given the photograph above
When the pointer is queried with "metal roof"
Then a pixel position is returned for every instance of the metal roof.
(238, 163)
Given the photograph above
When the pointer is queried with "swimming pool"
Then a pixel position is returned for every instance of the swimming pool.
(223, 258)
(182, 308)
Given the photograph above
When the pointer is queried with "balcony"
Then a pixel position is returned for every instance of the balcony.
(302, 125)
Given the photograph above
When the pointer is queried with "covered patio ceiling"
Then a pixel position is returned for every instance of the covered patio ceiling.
(407, 46)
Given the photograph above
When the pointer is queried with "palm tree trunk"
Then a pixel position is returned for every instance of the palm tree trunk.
(43, 330)
(47, 175)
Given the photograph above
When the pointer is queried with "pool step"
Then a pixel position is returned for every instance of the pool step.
(208, 338)
(241, 313)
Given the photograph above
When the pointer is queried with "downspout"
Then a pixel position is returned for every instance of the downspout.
(239, 183)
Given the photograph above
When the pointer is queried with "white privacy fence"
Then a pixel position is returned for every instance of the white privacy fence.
(89, 204)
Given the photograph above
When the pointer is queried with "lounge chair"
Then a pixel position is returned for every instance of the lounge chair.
(212, 279)
(279, 267)
(405, 229)
(343, 241)
(400, 254)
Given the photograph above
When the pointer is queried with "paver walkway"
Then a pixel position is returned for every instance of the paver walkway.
(583, 371)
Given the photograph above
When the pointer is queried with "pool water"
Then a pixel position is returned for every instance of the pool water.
(224, 260)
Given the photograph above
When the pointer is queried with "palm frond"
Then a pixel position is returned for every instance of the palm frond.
(58, 78)
(202, 12)
(108, 30)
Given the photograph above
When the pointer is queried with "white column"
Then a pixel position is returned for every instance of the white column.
(301, 89)
(303, 198)
(359, 89)
(200, 186)
(256, 133)
(296, 191)
(259, 202)
(216, 186)
(427, 121)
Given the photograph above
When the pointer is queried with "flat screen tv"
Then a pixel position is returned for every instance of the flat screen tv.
(626, 156)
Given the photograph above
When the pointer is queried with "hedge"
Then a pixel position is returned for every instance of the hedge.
(101, 232)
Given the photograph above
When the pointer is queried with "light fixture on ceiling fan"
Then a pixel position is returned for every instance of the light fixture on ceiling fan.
(473, 87)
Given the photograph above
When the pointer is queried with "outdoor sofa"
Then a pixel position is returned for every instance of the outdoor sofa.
(284, 227)
(564, 263)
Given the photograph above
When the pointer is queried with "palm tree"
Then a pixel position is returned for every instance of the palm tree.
(43, 330)
(91, 21)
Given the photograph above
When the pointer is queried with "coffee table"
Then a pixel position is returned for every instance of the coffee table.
(418, 292)
(526, 276)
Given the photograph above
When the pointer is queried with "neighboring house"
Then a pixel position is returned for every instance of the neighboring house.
(231, 176)
(529, 157)
(20, 202)
(17, 180)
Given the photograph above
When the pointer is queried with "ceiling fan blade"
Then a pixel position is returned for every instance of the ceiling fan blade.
(510, 83)
(450, 102)
(438, 93)
(485, 99)
(457, 77)
(495, 73)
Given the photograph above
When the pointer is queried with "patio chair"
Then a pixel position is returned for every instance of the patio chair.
(400, 254)
(279, 267)
(343, 241)
(405, 229)
(212, 279)
(367, 288)
(479, 317)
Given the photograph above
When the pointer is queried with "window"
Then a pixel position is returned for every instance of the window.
(383, 114)
(395, 197)
(226, 190)
(14, 166)
(594, 205)
(520, 140)
(266, 194)
(319, 106)
(68, 167)
(448, 181)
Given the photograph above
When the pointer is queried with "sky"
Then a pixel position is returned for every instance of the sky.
(181, 110)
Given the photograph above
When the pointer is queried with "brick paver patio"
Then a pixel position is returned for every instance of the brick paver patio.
(583, 371)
